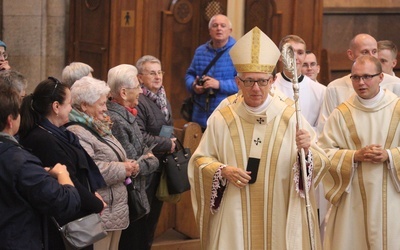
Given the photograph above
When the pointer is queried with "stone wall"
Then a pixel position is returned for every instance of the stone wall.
(35, 33)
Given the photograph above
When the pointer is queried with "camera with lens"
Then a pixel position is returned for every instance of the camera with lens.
(200, 82)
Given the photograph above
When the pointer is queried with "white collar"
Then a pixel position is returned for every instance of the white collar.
(371, 102)
(259, 109)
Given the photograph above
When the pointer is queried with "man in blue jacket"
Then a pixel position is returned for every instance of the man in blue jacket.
(211, 87)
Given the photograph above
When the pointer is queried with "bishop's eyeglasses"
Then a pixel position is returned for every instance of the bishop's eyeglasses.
(251, 82)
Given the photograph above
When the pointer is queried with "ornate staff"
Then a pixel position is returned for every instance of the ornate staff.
(289, 61)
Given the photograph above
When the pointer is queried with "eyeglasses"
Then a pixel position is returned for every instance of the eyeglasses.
(137, 87)
(251, 82)
(365, 78)
(4, 55)
(56, 81)
(311, 65)
(154, 73)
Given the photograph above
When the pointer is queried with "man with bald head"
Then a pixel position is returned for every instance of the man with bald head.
(341, 89)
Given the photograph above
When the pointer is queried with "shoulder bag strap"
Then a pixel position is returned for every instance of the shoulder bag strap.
(213, 61)
(95, 134)
(217, 56)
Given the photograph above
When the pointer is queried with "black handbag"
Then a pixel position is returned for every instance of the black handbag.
(82, 232)
(175, 166)
(138, 203)
(187, 109)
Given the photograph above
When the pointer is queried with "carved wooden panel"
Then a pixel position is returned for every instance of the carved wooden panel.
(361, 3)
(89, 34)
(341, 25)
(207, 9)
(261, 14)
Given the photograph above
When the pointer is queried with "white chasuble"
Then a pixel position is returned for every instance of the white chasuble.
(365, 195)
(257, 216)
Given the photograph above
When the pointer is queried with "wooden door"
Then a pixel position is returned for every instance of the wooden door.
(265, 16)
(89, 34)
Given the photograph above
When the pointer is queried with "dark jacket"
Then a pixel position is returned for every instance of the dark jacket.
(127, 132)
(27, 193)
(150, 121)
(51, 150)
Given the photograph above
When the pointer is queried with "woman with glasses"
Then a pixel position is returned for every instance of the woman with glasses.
(125, 92)
(43, 115)
(3, 57)
(154, 115)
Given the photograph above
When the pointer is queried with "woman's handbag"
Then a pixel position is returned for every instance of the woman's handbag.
(162, 191)
(82, 232)
(137, 201)
(175, 166)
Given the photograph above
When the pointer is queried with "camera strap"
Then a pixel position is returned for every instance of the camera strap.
(217, 56)
(213, 61)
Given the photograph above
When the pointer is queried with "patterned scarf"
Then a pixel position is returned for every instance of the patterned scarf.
(103, 128)
(160, 99)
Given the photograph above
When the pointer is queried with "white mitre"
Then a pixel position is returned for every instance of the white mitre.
(255, 52)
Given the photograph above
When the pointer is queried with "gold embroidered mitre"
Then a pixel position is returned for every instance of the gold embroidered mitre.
(255, 52)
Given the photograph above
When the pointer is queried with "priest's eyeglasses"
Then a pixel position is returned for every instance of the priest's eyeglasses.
(365, 78)
(251, 82)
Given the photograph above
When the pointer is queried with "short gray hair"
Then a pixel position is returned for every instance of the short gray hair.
(75, 71)
(213, 17)
(13, 79)
(123, 75)
(145, 59)
(88, 90)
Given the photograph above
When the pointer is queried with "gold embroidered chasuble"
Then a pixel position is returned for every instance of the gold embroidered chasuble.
(268, 214)
(366, 202)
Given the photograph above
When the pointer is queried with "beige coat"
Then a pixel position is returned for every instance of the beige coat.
(116, 215)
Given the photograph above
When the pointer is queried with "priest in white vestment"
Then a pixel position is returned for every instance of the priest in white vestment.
(341, 89)
(311, 93)
(237, 209)
(361, 138)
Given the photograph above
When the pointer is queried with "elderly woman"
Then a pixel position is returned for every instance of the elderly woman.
(125, 91)
(154, 115)
(92, 125)
(43, 115)
(75, 71)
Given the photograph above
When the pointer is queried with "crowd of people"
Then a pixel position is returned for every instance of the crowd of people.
(68, 148)
(246, 174)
